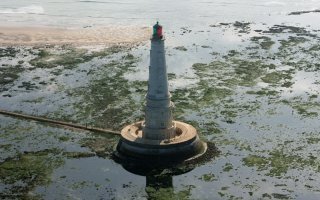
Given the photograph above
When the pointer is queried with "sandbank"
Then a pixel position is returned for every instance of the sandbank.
(77, 36)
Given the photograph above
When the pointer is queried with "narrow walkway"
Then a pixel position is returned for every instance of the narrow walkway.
(60, 123)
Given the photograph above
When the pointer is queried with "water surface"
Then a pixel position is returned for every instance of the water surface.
(245, 73)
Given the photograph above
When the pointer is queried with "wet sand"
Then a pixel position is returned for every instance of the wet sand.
(76, 36)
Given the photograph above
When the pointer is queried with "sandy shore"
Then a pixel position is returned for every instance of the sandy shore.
(80, 36)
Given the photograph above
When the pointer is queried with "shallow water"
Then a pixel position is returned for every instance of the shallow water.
(250, 88)
(131, 12)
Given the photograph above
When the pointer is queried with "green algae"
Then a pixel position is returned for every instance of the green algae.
(286, 29)
(182, 99)
(314, 96)
(35, 101)
(197, 97)
(101, 146)
(225, 188)
(128, 56)
(213, 68)
(224, 24)
(205, 46)
(305, 47)
(232, 72)
(79, 185)
(9, 52)
(5, 147)
(70, 57)
(78, 155)
(28, 85)
(9, 74)
(31, 169)
(229, 113)
(263, 92)
(47, 59)
(64, 138)
(273, 77)
(279, 78)
(199, 66)
(277, 163)
(280, 196)
(264, 41)
(291, 42)
(313, 140)
(304, 12)
(205, 92)
(266, 195)
(212, 94)
(171, 76)
(181, 48)
(221, 194)
(168, 193)
(304, 109)
(255, 161)
(244, 27)
(237, 144)
(244, 147)
(287, 84)
(280, 163)
(101, 92)
(210, 128)
(208, 177)
(227, 167)
(139, 87)
(232, 53)
(248, 71)
(280, 185)
(107, 97)
(315, 48)
(8, 131)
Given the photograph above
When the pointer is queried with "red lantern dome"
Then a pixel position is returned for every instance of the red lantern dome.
(157, 31)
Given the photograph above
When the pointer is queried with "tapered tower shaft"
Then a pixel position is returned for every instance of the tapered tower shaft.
(158, 111)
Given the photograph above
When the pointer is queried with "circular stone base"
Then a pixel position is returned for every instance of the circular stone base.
(183, 146)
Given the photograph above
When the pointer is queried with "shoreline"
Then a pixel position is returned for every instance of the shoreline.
(39, 36)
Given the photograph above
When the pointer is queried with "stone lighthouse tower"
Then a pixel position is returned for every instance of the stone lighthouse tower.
(158, 112)
(159, 137)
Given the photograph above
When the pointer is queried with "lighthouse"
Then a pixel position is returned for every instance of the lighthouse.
(158, 123)
(159, 137)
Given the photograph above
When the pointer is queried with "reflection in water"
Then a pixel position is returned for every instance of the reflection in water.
(158, 182)
(155, 184)
(159, 175)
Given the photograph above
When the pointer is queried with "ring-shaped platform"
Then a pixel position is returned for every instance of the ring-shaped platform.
(183, 146)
